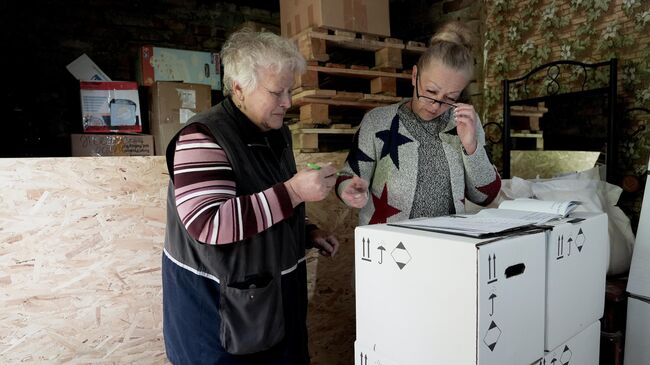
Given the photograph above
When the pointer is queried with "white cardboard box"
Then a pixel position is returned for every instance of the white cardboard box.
(425, 297)
(110, 106)
(639, 280)
(84, 69)
(637, 332)
(577, 256)
(581, 349)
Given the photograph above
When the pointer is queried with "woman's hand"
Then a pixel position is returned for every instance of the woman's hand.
(310, 185)
(325, 242)
(355, 193)
(466, 126)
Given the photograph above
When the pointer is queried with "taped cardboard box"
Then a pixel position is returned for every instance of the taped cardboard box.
(171, 105)
(110, 106)
(432, 298)
(581, 349)
(94, 144)
(577, 253)
(363, 16)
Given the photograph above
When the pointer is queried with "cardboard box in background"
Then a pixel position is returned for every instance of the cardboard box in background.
(171, 105)
(93, 144)
(110, 106)
(363, 16)
(577, 257)
(84, 69)
(637, 332)
(581, 349)
(425, 297)
(168, 64)
(639, 281)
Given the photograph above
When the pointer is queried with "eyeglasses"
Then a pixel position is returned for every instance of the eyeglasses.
(429, 99)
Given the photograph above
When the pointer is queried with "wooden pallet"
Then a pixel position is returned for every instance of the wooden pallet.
(537, 135)
(316, 45)
(317, 106)
(307, 139)
(527, 117)
(348, 73)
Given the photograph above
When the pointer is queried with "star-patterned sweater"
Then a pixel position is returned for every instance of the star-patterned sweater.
(385, 154)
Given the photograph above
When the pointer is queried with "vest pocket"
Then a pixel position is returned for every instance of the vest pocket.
(252, 317)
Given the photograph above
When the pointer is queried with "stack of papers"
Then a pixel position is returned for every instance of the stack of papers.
(510, 216)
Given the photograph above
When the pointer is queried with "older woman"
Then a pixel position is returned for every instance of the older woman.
(234, 275)
(424, 156)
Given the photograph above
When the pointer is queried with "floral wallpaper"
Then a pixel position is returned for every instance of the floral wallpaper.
(521, 35)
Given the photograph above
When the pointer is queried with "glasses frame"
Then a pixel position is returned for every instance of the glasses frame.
(430, 99)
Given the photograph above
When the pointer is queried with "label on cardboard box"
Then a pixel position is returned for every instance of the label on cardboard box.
(110, 106)
(92, 144)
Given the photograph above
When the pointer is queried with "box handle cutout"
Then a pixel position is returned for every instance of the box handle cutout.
(515, 270)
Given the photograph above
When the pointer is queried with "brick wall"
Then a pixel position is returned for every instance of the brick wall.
(523, 34)
(40, 98)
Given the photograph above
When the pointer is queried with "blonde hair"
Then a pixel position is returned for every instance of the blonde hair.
(452, 46)
(246, 51)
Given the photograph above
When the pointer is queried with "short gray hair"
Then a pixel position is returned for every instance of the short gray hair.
(246, 51)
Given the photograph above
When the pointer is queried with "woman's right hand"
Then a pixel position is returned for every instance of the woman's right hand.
(310, 185)
(355, 192)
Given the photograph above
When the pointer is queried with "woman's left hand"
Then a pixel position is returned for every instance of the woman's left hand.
(325, 242)
(466, 126)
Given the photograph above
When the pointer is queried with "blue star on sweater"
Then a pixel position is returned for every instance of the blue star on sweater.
(392, 140)
(357, 155)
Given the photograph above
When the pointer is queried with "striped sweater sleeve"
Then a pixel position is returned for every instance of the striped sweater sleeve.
(205, 191)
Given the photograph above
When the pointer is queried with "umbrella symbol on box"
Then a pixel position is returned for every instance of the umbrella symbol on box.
(401, 255)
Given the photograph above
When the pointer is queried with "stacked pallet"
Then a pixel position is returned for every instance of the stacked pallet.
(348, 73)
(525, 123)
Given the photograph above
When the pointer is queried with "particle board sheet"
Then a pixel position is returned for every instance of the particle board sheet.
(80, 253)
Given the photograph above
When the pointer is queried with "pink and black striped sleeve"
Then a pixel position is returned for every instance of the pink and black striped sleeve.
(205, 190)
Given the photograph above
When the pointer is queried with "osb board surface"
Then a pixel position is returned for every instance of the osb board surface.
(80, 252)
(331, 319)
(548, 164)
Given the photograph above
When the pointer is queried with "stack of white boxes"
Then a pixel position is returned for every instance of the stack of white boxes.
(637, 330)
(530, 298)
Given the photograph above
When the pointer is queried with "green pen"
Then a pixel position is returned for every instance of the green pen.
(314, 166)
